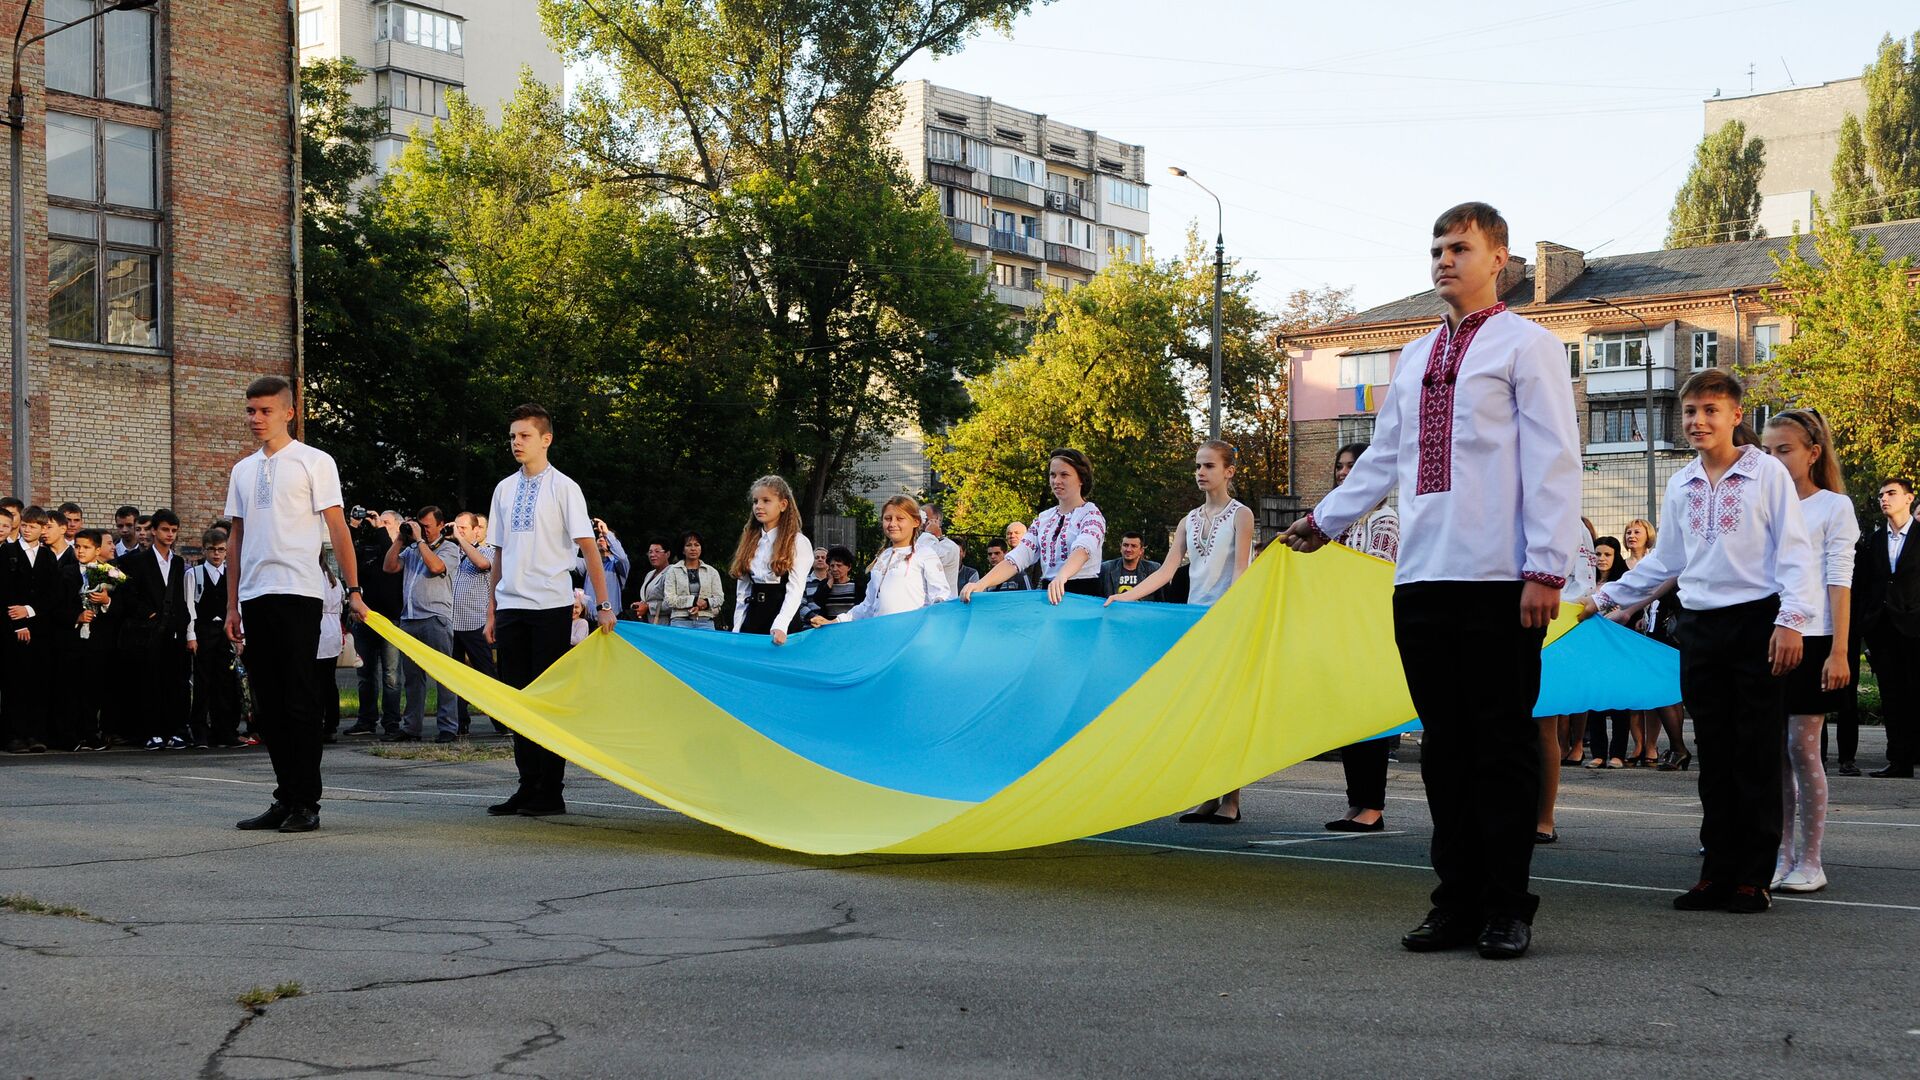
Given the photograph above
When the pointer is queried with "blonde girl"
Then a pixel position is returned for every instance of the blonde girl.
(898, 580)
(1799, 440)
(772, 562)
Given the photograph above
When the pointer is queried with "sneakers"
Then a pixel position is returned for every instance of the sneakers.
(361, 729)
(1802, 880)
(1749, 900)
(1704, 896)
(155, 743)
(1847, 768)
(174, 743)
(93, 745)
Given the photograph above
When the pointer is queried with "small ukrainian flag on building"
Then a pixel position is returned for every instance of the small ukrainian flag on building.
(1363, 399)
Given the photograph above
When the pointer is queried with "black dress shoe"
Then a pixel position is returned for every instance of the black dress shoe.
(509, 808)
(1895, 772)
(543, 808)
(1505, 938)
(361, 729)
(275, 817)
(1350, 825)
(1441, 930)
(1847, 768)
(400, 736)
(1749, 900)
(446, 737)
(302, 819)
(1704, 896)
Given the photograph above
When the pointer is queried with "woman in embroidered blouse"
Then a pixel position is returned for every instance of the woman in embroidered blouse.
(1376, 534)
(1064, 540)
(903, 577)
(1216, 541)
(694, 590)
(772, 562)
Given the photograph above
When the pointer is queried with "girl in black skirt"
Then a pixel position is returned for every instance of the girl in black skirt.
(771, 564)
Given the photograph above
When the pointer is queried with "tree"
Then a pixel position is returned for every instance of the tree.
(1721, 199)
(760, 126)
(1259, 429)
(1099, 375)
(1876, 172)
(1855, 350)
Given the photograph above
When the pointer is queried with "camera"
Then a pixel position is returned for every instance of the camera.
(409, 533)
(446, 531)
(359, 514)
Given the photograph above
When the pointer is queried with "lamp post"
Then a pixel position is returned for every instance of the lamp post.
(1219, 277)
(1646, 358)
(16, 122)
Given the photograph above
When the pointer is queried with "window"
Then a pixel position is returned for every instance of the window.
(1069, 185)
(103, 227)
(1605, 351)
(1366, 369)
(1354, 429)
(412, 93)
(1006, 274)
(1004, 221)
(1029, 226)
(948, 146)
(1766, 338)
(1625, 422)
(1573, 359)
(1019, 167)
(1126, 193)
(416, 26)
(1706, 349)
(111, 57)
(1123, 245)
(310, 28)
(1072, 232)
(952, 118)
(963, 205)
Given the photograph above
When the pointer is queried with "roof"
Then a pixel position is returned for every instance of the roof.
(1713, 268)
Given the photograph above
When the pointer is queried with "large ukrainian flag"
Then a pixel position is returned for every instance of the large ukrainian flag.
(1007, 723)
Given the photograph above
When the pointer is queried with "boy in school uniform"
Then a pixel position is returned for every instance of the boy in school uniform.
(1478, 434)
(216, 689)
(1750, 578)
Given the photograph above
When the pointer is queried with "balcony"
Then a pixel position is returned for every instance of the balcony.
(1030, 246)
(968, 233)
(1016, 191)
(1071, 256)
(955, 176)
(1014, 296)
(1070, 204)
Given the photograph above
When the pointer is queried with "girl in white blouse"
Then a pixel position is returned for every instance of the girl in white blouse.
(772, 563)
(1065, 540)
(906, 576)
(1216, 542)
(1799, 440)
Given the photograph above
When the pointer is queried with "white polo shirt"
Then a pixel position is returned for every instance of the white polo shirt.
(536, 522)
(281, 501)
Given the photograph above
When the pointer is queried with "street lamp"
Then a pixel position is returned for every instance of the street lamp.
(1219, 276)
(16, 121)
(1646, 358)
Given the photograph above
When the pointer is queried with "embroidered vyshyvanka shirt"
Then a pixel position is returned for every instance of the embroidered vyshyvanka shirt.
(1478, 434)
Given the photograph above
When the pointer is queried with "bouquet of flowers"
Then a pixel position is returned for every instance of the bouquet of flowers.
(97, 578)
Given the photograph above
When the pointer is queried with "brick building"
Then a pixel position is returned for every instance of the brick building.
(1702, 307)
(160, 239)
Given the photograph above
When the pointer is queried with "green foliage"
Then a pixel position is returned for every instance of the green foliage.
(1720, 200)
(21, 903)
(1876, 172)
(260, 997)
(1099, 375)
(1855, 351)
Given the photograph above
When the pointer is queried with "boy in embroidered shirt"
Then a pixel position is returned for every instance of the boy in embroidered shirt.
(1749, 579)
(1478, 433)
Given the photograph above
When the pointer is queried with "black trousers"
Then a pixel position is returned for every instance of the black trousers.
(1895, 659)
(216, 690)
(166, 687)
(1598, 744)
(528, 643)
(1846, 721)
(470, 648)
(1365, 764)
(78, 720)
(283, 633)
(23, 708)
(1474, 673)
(1739, 713)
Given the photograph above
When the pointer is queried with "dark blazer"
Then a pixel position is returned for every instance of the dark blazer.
(146, 609)
(1887, 599)
(34, 584)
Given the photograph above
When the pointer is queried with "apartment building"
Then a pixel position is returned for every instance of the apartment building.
(422, 50)
(159, 205)
(1678, 312)
(1801, 128)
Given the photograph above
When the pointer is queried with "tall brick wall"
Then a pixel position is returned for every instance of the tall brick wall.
(163, 426)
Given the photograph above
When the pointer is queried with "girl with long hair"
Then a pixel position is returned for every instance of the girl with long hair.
(1799, 439)
(1216, 541)
(898, 580)
(1064, 541)
(772, 562)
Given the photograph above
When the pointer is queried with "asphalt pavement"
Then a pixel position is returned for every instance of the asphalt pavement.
(626, 940)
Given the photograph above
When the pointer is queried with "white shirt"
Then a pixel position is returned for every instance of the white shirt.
(1737, 542)
(1835, 533)
(1896, 540)
(1212, 553)
(948, 553)
(281, 501)
(761, 570)
(1584, 575)
(537, 523)
(330, 632)
(166, 565)
(900, 581)
(1054, 536)
(1487, 465)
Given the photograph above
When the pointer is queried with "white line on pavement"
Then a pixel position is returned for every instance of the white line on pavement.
(447, 794)
(1562, 807)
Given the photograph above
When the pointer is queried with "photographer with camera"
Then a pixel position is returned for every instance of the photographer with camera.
(373, 533)
(472, 581)
(423, 553)
(613, 560)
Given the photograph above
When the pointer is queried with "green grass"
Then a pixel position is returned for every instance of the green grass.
(260, 997)
(451, 753)
(350, 700)
(23, 904)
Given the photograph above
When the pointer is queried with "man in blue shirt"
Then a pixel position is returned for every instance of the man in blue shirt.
(423, 558)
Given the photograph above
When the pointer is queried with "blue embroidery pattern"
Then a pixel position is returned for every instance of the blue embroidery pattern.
(526, 499)
(263, 485)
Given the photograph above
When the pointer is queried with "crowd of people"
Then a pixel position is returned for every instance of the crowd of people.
(1761, 578)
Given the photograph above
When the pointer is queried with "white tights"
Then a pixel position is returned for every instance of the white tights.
(1803, 795)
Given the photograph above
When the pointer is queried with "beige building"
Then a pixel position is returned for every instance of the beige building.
(422, 50)
(1034, 203)
(1801, 127)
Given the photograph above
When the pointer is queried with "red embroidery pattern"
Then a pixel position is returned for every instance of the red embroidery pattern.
(1544, 579)
(1436, 401)
(1713, 513)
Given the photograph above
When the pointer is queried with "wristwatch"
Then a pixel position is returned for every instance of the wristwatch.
(603, 606)
(353, 590)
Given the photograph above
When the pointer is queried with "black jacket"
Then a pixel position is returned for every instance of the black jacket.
(33, 584)
(148, 610)
(1886, 599)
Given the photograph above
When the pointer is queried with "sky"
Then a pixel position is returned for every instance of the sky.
(1334, 133)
